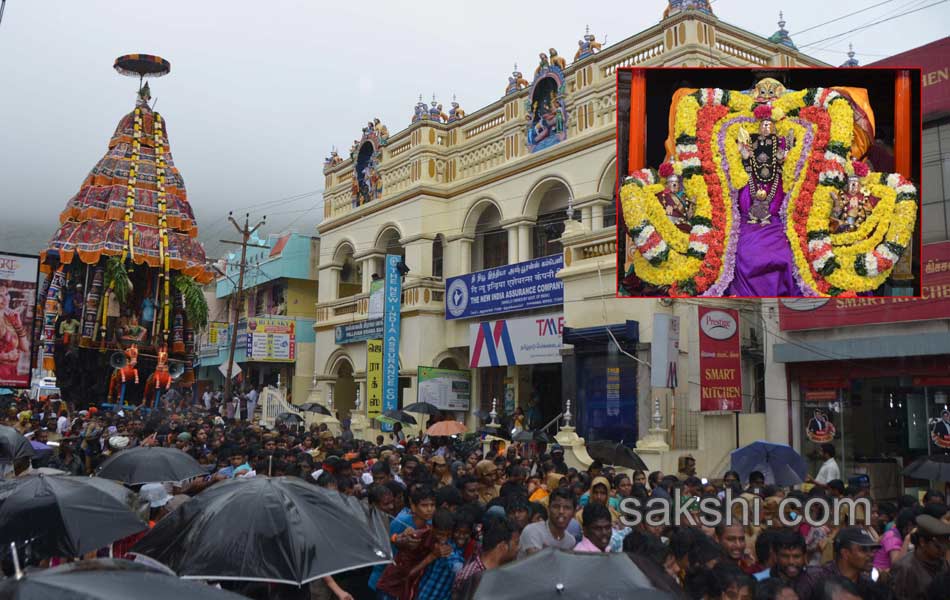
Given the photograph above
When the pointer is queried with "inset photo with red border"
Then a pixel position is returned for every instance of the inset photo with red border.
(751, 183)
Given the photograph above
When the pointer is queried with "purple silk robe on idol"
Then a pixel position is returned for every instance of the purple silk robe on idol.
(764, 262)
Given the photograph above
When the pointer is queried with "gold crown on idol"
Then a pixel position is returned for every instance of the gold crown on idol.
(768, 89)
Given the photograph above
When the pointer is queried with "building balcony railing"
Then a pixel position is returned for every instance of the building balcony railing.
(424, 295)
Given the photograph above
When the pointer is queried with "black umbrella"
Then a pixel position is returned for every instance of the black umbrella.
(106, 579)
(618, 455)
(288, 416)
(932, 468)
(533, 436)
(397, 416)
(422, 408)
(148, 464)
(13, 445)
(278, 529)
(61, 515)
(315, 407)
(553, 573)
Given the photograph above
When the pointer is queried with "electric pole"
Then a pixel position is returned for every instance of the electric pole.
(236, 308)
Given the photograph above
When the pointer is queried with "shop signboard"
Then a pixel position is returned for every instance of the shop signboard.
(446, 389)
(664, 350)
(521, 286)
(359, 331)
(391, 325)
(376, 299)
(526, 341)
(374, 378)
(18, 281)
(797, 314)
(720, 360)
(218, 334)
(271, 339)
(935, 80)
(612, 403)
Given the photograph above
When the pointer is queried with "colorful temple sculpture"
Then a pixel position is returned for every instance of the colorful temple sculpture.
(121, 297)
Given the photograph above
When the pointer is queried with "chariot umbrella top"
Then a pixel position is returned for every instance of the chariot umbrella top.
(142, 65)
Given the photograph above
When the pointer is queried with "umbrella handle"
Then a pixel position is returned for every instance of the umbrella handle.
(17, 572)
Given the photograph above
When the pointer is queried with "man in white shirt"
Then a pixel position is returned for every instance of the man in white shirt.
(62, 425)
(251, 403)
(206, 398)
(829, 470)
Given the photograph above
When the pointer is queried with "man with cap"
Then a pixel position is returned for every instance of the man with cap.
(854, 553)
(487, 474)
(913, 572)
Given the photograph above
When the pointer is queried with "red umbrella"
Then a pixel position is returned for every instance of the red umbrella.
(446, 428)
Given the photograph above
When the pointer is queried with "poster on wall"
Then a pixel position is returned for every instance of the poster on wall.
(374, 378)
(218, 334)
(820, 429)
(18, 279)
(446, 389)
(271, 339)
(720, 360)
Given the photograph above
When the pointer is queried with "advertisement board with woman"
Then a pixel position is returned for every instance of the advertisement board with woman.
(17, 308)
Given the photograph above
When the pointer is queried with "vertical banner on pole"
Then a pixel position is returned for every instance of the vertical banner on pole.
(720, 360)
(374, 378)
(391, 322)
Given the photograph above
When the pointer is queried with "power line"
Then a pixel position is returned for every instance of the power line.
(872, 24)
(835, 20)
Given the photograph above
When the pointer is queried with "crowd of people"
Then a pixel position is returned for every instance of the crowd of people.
(456, 512)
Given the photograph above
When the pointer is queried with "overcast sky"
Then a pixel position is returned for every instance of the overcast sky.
(260, 91)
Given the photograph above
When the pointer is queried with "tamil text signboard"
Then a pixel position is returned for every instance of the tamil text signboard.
(359, 331)
(521, 286)
(827, 313)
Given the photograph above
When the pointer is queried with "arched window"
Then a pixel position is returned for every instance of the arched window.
(491, 241)
(552, 213)
(438, 249)
(351, 277)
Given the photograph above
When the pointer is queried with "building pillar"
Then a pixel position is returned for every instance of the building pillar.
(465, 255)
(596, 216)
(512, 244)
(418, 255)
(335, 272)
(524, 242)
(587, 217)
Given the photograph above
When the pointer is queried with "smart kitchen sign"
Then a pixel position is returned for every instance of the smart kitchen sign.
(720, 360)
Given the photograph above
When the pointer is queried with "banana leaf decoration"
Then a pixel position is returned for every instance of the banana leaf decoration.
(196, 306)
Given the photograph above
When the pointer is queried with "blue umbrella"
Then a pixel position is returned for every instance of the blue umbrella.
(780, 463)
(7, 392)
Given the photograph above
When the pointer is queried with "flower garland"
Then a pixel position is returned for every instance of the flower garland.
(128, 237)
(163, 249)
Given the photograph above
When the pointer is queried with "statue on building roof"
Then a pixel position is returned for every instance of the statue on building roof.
(332, 160)
(852, 61)
(382, 132)
(435, 111)
(421, 111)
(455, 113)
(516, 81)
(556, 59)
(781, 36)
(587, 46)
(678, 6)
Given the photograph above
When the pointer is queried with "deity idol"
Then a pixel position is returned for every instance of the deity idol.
(678, 206)
(764, 263)
(852, 207)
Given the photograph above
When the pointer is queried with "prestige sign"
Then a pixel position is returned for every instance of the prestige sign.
(720, 360)
(797, 314)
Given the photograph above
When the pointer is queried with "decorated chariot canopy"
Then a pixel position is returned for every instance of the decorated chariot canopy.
(764, 193)
(125, 267)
